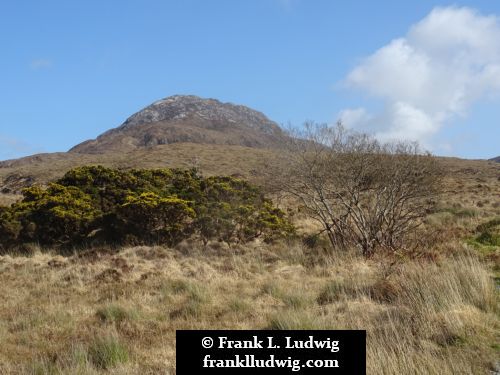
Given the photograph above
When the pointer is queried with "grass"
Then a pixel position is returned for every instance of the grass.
(436, 313)
(486, 239)
(295, 320)
(239, 306)
(107, 352)
(116, 314)
(489, 233)
(438, 317)
(460, 212)
(293, 299)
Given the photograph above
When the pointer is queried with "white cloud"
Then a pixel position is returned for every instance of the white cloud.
(39, 64)
(444, 64)
(355, 116)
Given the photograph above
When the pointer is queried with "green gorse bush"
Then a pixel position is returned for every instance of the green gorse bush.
(97, 205)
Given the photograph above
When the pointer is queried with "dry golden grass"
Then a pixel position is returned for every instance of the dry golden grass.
(107, 312)
(473, 185)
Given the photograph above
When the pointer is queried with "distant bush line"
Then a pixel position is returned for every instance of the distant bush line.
(96, 205)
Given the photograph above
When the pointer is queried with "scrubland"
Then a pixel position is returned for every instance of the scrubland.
(115, 311)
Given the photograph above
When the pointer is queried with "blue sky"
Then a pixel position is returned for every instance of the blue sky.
(69, 70)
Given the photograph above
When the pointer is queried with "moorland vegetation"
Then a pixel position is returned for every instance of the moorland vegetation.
(101, 266)
(94, 205)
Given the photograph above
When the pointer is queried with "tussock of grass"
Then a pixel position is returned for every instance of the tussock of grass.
(239, 306)
(461, 212)
(107, 352)
(331, 293)
(292, 298)
(116, 314)
(194, 296)
(462, 281)
(193, 290)
(191, 309)
(45, 368)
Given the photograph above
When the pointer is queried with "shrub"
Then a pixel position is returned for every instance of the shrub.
(235, 211)
(58, 215)
(272, 223)
(150, 218)
(107, 187)
(98, 205)
(364, 193)
(10, 227)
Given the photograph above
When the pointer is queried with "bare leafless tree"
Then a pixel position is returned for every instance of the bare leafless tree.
(362, 192)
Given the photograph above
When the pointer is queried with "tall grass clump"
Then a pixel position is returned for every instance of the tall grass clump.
(107, 352)
(436, 287)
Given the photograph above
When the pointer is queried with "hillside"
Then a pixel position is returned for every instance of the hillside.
(211, 159)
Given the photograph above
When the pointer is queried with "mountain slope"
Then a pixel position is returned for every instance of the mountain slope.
(188, 118)
(210, 159)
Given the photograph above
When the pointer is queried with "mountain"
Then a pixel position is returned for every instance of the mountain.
(497, 159)
(187, 118)
(178, 131)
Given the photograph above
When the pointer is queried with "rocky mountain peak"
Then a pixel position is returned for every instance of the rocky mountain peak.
(187, 118)
(182, 106)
